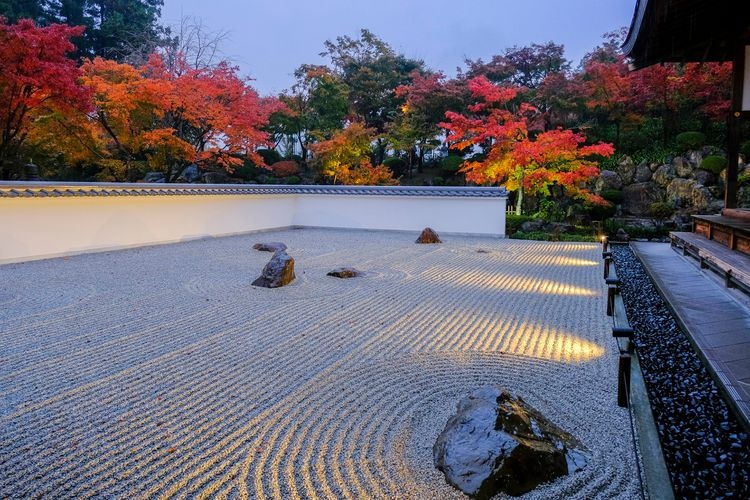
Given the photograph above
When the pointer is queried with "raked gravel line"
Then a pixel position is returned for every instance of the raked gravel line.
(160, 372)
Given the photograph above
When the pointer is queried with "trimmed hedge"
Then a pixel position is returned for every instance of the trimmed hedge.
(690, 140)
(451, 163)
(714, 164)
(613, 195)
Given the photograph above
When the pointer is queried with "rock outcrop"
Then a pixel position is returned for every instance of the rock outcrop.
(608, 180)
(191, 173)
(637, 198)
(497, 443)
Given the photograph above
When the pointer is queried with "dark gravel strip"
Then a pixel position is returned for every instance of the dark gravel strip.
(705, 448)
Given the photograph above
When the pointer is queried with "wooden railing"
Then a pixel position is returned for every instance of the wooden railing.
(621, 329)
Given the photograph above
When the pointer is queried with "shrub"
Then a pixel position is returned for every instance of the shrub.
(513, 222)
(270, 156)
(296, 158)
(743, 180)
(397, 165)
(451, 163)
(714, 164)
(542, 236)
(438, 181)
(600, 212)
(549, 211)
(285, 168)
(690, 140)
(292, 179)
(661, 210)
(613, 195)
(246, 172)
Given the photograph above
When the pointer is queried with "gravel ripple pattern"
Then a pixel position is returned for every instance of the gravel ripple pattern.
(706, 451)
(159, 372)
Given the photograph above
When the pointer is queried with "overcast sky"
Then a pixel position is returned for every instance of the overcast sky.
(269, 39)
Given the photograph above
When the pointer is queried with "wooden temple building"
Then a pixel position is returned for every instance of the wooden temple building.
(716, 321)
(684, 31)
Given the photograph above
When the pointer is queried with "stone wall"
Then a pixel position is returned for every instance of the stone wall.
(679, 181)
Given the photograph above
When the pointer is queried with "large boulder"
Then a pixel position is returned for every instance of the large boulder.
(607, 180)
(191, 173)
(664, 175)
(637, 198)
(703, 201)
(428, 235)
(680, 192)
(215, 178)
(642, 172)
(704, 177)
(694, 158)
(682, 167)
(154, 177)
(497, 443)
(278, 272)
(626, 169)
(533, 225)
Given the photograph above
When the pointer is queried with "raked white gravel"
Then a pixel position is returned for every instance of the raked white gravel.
(160, 372)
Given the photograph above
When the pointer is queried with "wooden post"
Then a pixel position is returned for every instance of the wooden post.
(733, 126)
(623, 381)
(607, 261)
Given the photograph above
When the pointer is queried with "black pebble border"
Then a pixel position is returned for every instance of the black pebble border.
(706, 451)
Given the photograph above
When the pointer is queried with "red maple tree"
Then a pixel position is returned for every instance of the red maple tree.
(36, 78)
(522, 161)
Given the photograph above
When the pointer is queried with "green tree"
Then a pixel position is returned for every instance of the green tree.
(319, 101)
(372, 71)
(115, 29)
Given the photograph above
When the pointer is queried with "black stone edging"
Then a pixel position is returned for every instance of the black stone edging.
(15, 189)
(705, 448)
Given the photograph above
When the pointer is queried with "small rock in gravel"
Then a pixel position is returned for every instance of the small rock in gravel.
(278, 272)
(273, 246)
(344, 272)
(428, 236)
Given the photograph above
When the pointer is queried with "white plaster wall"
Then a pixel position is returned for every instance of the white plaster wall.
(485, 216)
(34, 227)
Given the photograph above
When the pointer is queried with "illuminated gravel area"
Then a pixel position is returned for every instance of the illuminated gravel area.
(160, 372)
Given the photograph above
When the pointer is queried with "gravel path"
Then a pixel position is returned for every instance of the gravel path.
(160, 372)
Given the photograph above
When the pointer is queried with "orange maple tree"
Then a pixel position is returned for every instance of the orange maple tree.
(521, 160)
(345, 157)
(165, 118)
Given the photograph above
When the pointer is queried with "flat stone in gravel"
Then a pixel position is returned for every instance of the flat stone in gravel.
(344, 272)
(273, 246)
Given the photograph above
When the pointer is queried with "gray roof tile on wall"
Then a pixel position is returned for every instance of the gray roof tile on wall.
(43, 189)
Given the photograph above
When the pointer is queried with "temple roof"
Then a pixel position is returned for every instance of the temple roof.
(686, 31)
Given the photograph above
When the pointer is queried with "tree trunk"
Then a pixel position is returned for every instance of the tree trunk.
(519, 200)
